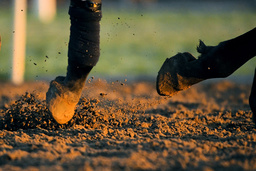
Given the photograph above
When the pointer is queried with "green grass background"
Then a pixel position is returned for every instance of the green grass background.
(133, 43)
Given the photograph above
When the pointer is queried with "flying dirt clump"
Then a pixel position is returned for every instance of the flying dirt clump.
(29, 113)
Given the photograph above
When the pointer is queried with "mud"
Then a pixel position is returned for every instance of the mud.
(123, 125)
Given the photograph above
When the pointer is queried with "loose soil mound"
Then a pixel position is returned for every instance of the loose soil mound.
(128, 126)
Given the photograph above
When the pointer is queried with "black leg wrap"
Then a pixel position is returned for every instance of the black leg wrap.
(84, 43)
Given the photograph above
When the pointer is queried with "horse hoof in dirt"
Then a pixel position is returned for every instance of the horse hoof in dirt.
(61, 101)
(172, 77)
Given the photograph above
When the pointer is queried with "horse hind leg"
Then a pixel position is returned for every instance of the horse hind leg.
(252, 98)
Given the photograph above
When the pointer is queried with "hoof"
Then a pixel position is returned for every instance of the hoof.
(171, 77)
(61, 102)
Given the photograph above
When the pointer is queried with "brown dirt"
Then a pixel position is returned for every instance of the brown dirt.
(128, 126)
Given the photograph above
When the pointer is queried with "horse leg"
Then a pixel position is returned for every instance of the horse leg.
(83, 53)
(183, 70)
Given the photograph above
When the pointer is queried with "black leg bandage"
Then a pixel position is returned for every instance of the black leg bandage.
(84, 43)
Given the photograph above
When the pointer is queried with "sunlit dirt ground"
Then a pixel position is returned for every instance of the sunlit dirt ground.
(124, 125)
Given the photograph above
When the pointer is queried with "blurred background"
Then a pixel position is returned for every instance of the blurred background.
(136, 35)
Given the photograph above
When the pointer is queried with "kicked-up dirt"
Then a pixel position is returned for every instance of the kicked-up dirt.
(127, 126)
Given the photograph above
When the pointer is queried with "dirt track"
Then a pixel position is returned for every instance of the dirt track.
(127, 126)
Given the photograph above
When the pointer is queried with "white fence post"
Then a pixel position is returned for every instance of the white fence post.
(19, 41)
(45, 9)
